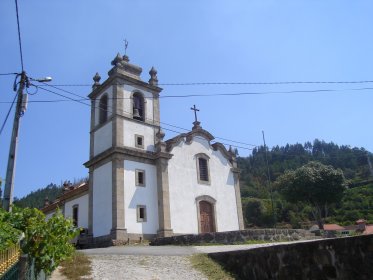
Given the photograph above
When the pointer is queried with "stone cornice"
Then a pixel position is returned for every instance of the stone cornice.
(236, 170)
(118, 77)
(199, 132)
(122, 153)
(189, 137)
(219, 146)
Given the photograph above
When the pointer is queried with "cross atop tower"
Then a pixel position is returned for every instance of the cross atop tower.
(196, 123)
(125, 46)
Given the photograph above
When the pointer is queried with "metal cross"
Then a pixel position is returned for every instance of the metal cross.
(195, 112)
(125, 46)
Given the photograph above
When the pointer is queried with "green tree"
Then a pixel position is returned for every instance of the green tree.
(45, 241)
(316, 184)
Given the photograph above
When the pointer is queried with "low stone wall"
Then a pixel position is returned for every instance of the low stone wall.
(340, 258)
(231, 237)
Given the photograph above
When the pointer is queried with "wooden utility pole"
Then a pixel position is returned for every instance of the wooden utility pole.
(9, 180)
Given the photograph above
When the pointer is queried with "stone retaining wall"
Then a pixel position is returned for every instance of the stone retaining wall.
(231, 237)
(345, 258)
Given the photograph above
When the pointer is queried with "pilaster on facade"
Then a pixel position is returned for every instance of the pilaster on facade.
(90, 202)
(236, 176)
(164, 212)
(118, 206)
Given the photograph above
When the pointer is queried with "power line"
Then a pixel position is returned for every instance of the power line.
(210, 95)
(163, 123)
(72, 99)
(237, 93)
(232, 83)
(7, 74)
(19, 35)
(7, 115)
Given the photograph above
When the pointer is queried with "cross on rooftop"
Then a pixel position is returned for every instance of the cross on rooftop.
(195, 112)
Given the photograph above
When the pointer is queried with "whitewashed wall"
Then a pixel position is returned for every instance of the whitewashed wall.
(103, 138)
(102, 200)
(184, 188)
(136, 195)
(49, 215)
(82, 202)
(131, 129)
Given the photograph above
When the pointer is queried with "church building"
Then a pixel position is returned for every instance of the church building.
(141, 185)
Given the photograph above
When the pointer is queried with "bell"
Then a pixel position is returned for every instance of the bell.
(136, 114)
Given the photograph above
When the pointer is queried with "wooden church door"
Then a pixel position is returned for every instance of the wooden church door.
(206, 216)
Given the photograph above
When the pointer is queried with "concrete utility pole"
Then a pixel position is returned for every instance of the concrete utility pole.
(9, 180)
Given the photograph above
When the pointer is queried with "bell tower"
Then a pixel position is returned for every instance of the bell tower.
(125, 140)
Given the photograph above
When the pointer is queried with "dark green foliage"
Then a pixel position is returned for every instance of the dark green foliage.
(315, 184)
(46, 241)
(356, 203)
(36, 199)
(352, 161)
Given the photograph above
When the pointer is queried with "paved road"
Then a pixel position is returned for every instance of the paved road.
(143, 250)
(142, 262)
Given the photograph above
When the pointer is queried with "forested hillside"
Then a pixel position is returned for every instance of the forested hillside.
(37, 198)
(357, 202)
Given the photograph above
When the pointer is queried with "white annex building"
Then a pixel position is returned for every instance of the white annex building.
(141, 185)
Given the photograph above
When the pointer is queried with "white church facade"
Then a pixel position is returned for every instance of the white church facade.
(141, 185)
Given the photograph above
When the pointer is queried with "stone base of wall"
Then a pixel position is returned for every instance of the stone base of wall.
(340, 258)
(231, 237)
(88, 242)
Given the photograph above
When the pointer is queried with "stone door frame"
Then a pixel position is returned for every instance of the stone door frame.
(212, 201)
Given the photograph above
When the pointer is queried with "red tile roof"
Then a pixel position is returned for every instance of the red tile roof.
(333, 227)
(72, 192)
(368, 229)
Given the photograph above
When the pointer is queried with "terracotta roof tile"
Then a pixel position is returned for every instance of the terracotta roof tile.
(368, 229)
(333, 227)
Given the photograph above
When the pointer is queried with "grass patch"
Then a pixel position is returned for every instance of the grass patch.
(211, 269)
(77, 267)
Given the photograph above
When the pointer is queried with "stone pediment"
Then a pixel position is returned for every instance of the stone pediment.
(201, 133)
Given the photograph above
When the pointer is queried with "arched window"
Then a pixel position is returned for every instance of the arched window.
(138, 107)
(103, 109)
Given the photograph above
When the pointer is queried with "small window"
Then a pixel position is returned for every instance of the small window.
(103, 109)
(138, 107)
(141, 213)
(203, 172)
(75, 215)
(139, 141)
(140, 177)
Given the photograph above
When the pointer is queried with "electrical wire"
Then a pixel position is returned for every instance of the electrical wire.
(19, 35)
(232, 83)
(7, 115)
(234, 94)
(8, 74)
(111, 112)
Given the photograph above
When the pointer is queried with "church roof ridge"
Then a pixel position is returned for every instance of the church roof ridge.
(71, 192)
(195, 132)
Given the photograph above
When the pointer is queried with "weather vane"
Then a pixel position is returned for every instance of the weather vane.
(125, 46)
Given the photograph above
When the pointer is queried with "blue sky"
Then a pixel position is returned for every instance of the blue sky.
(189, 41)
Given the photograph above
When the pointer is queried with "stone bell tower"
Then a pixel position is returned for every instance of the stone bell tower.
(126, 161)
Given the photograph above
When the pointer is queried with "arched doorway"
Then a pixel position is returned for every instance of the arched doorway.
(206, 217)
